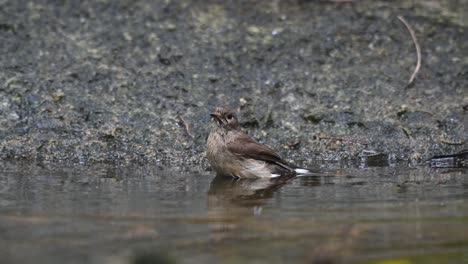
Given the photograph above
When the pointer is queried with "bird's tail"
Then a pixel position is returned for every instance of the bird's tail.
(304, 172)
(298, 171)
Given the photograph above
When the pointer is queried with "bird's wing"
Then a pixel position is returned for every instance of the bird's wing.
(246, 147)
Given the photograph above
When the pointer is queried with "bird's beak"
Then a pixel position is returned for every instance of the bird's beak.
(217, 118)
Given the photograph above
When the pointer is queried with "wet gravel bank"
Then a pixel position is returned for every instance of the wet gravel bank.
(105, 81)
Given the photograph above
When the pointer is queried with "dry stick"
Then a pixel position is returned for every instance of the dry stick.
(416, 45)
(186, 126)
(344, 140)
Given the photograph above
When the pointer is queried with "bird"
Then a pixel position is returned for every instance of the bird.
(231, 152)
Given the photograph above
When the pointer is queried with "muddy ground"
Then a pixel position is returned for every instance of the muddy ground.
(105, 81)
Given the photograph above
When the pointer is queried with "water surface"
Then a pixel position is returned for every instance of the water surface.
(116, 214)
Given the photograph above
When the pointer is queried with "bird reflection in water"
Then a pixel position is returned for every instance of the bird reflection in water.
(235, 203)
(228, 193)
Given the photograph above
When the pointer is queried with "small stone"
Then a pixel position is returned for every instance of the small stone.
(313, 117)
(253, 30)
(58, 95)
(169, 26)
(127, 36)
(13, 116)
(242, 101)
(276, 31)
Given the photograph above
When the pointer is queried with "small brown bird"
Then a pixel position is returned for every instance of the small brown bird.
(231, 152)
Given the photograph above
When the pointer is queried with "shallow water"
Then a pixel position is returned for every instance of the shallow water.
(112, 214)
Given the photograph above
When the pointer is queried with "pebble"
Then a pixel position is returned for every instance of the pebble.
(13, 116)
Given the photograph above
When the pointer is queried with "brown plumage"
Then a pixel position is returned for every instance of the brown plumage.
(231, 152)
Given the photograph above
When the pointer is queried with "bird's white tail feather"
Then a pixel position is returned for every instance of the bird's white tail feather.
(302, 172)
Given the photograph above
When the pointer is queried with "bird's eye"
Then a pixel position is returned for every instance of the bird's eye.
(229, 116)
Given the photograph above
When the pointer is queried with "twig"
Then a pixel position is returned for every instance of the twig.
(416, 45)
(344, 140)
(185, 125)
(452, 142)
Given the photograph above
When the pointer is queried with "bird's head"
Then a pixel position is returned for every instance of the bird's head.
(224, 118)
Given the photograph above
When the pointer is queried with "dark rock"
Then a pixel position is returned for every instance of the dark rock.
(450, 161)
